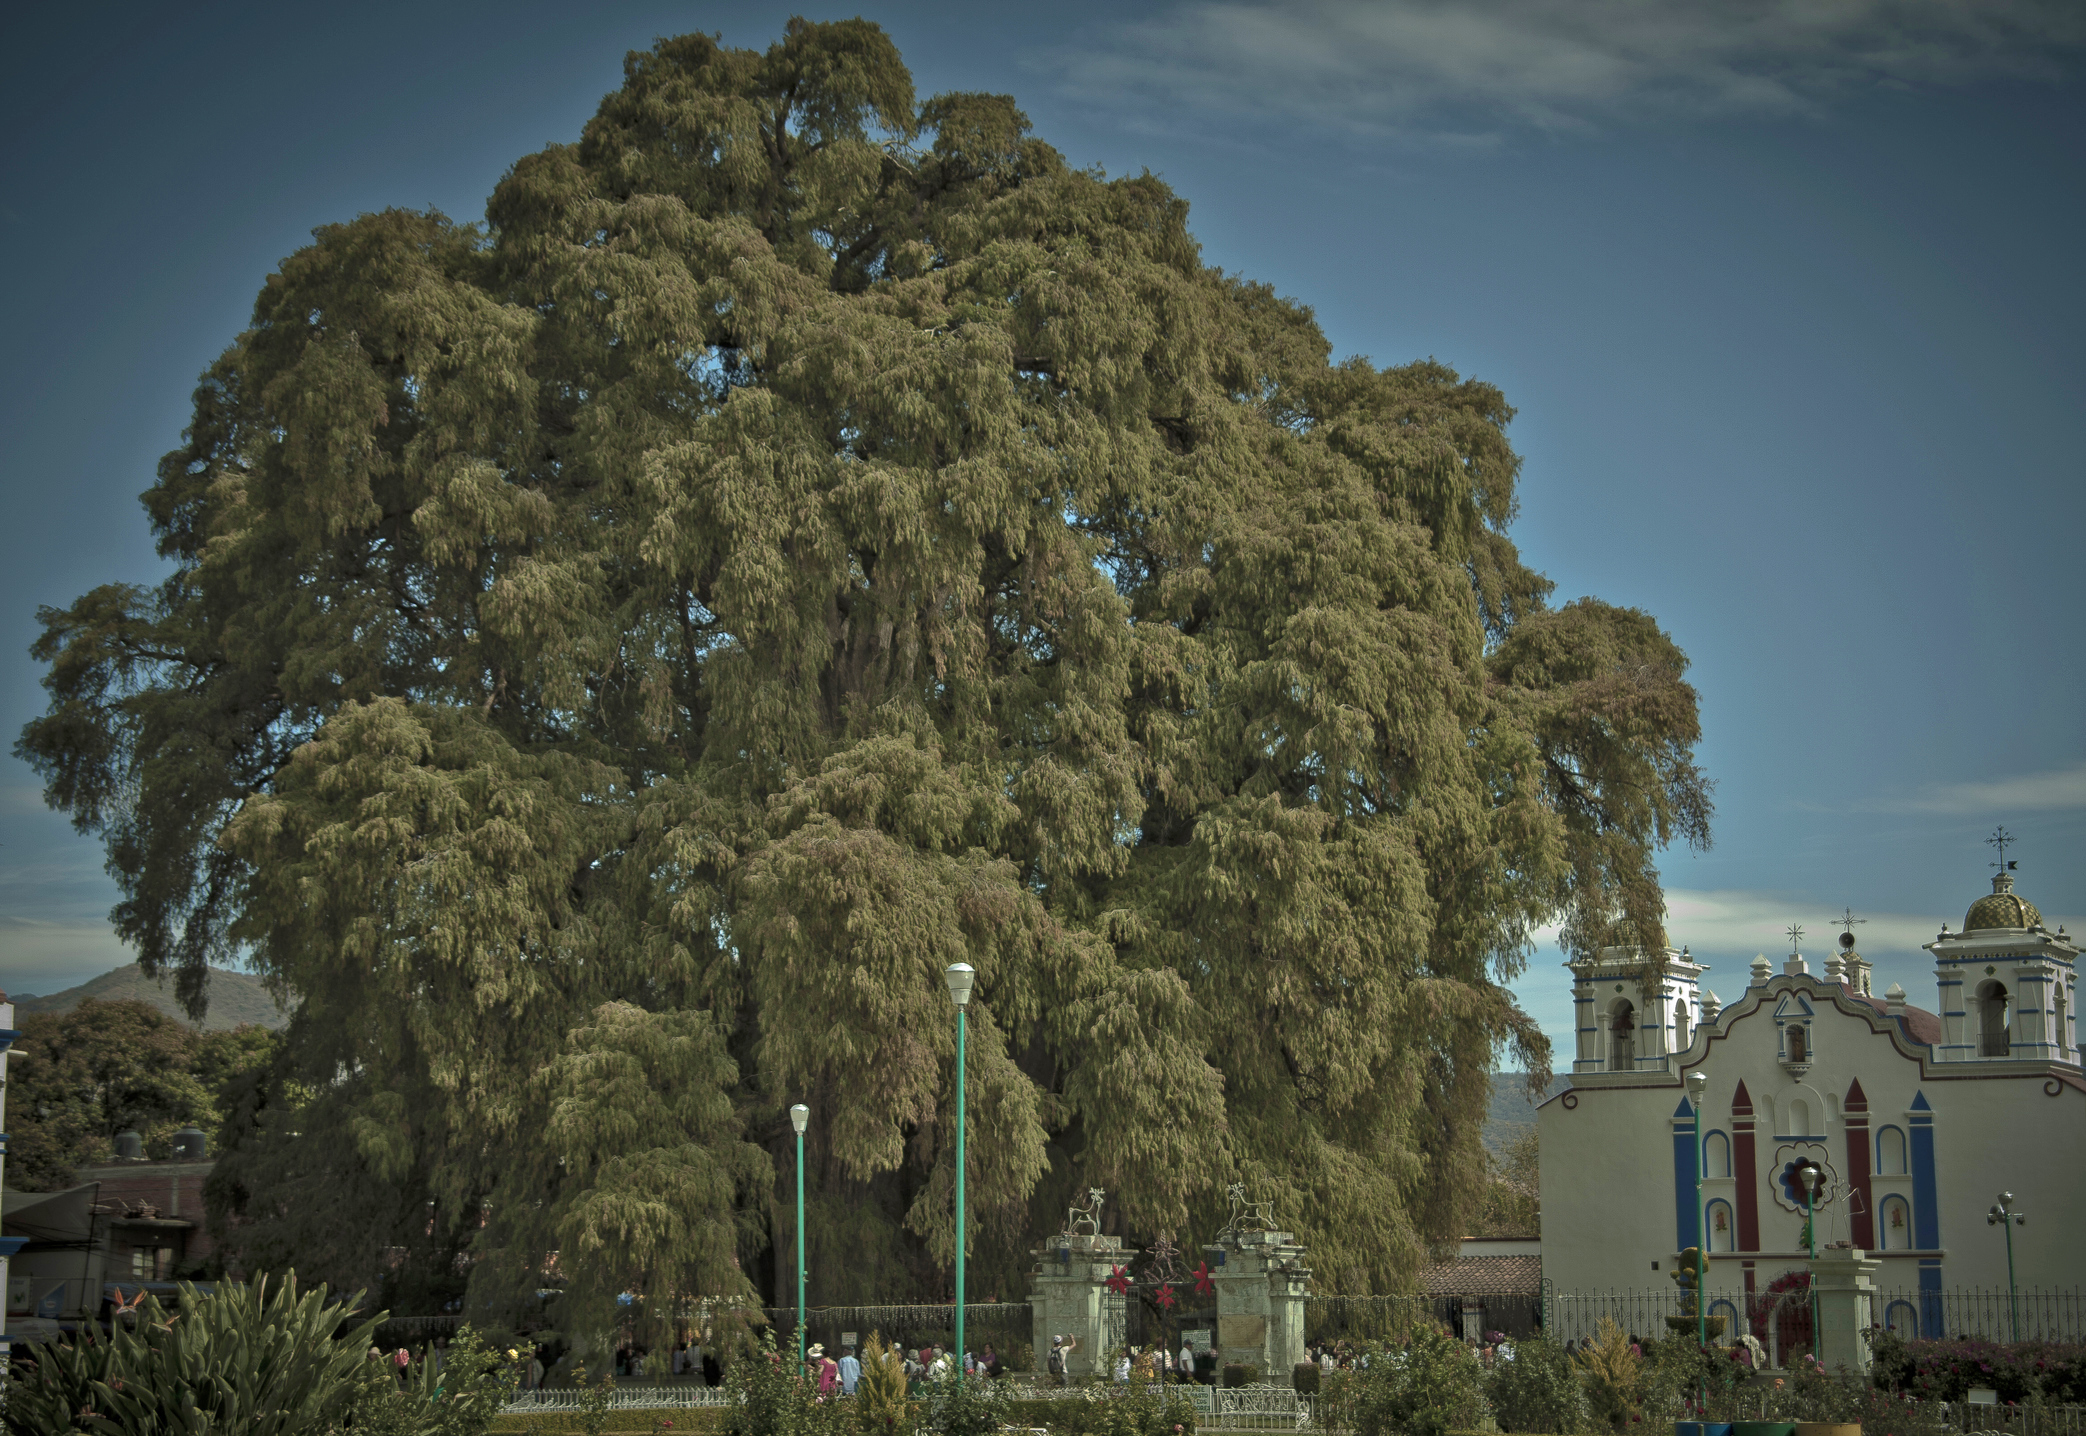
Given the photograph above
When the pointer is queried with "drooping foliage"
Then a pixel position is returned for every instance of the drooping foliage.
(618, 654)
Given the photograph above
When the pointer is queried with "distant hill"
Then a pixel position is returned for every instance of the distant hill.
(236, 998)
(1511, 1110)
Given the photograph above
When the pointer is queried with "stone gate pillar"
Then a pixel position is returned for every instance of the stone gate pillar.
(1069, 1296)
(1260, 1277)
(1846, 1306)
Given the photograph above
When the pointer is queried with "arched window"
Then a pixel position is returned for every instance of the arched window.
(1890, 1152)
(1680, 1026)
(1799, 1117)
(1996, 1040)
(1729, 1312)
(1902, 1320)
(1622, 1036)
(2063, 1038)
(1895, 1228)
(1716, 1154)
(1720, 1227)
(1799, 1045)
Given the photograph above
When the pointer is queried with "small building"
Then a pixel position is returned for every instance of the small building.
(127, 1224)
(1914, 1121)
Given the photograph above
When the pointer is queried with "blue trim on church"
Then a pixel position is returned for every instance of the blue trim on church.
(1686, 1162)
(1926, 1198)
(1933, 1322)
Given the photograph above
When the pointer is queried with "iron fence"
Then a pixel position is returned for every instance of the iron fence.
(677, 1397)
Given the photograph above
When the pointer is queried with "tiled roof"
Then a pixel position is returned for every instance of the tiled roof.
(1920, 1024)
(1484, 1276)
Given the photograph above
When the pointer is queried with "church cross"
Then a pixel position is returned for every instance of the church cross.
(1999, 839)
(1796, 934)
(1850, 921)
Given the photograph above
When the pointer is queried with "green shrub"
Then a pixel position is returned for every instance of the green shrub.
(1237, 1373)
(255, 1359)
(1427, 1387)
(461, 1399)
(771, 1397)
(1304, 1378)
(1536, 1389)
(1138, 1409)
(964, 1406)
(1609, 1370)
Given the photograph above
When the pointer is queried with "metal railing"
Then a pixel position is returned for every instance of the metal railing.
(623, 1398)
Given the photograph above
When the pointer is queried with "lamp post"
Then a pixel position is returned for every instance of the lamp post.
(800, 1118)
(1809, 1176)
(2003, 1215)
(961, 977)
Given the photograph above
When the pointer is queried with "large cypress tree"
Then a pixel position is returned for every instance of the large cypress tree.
(618, 654)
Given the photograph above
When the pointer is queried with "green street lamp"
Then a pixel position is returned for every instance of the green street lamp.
(1809, 1176)
(800, 1118)
(2003, 1215)
(961, 977)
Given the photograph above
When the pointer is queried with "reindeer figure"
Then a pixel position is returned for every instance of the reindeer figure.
(1088, 1216)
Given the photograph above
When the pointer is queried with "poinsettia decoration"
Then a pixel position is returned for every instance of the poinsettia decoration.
(1203, 1285)
(1165, 1297)
(1118, 1282)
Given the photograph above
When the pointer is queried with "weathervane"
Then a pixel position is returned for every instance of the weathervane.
(1796, 936)
(1999, 839)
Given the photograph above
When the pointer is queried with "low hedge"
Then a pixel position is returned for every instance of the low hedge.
(703, 1421)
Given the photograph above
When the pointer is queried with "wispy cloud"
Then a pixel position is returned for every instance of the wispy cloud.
(1460, 71)
(2061, 790)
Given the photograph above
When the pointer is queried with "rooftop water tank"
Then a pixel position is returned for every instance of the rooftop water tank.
(129, 1146)
(190, 1144)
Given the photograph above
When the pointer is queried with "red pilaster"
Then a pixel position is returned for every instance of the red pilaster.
(1861, 1223)
(1744, 1169)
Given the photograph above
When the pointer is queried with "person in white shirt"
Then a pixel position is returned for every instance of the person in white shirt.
(1187, 1361)
(850, 1372)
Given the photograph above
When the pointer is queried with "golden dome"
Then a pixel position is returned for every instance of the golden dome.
(2002, 908)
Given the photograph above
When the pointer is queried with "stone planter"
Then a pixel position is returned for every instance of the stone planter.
(1826, 1428)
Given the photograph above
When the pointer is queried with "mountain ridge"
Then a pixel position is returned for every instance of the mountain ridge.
(237, 999)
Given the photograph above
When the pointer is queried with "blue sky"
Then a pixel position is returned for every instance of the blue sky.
(1789, 298)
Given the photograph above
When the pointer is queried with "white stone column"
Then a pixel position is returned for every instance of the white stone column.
(1260, 1279)
(1840, 1282)
(1069, 1296)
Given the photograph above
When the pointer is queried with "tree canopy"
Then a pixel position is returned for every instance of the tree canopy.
(617, 654)
(82, 1076)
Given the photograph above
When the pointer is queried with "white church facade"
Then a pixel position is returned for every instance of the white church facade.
(1916, 1120)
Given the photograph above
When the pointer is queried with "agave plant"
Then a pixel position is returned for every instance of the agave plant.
(258, 1359)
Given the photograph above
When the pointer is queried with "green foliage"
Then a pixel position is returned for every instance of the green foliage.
(1137, 1409)
(474, 1381)
(1304, 1378)
(771, 1397)
(1240, 1374)
(1537, 1390)
(260, 1359)
(1511, 1204)
(1430, 1385)
(1610, 1372)
(807, 537)
(880, 1395)
(965, 1406)
(105, 1067)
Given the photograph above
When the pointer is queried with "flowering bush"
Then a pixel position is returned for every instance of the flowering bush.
(1946, 1370)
